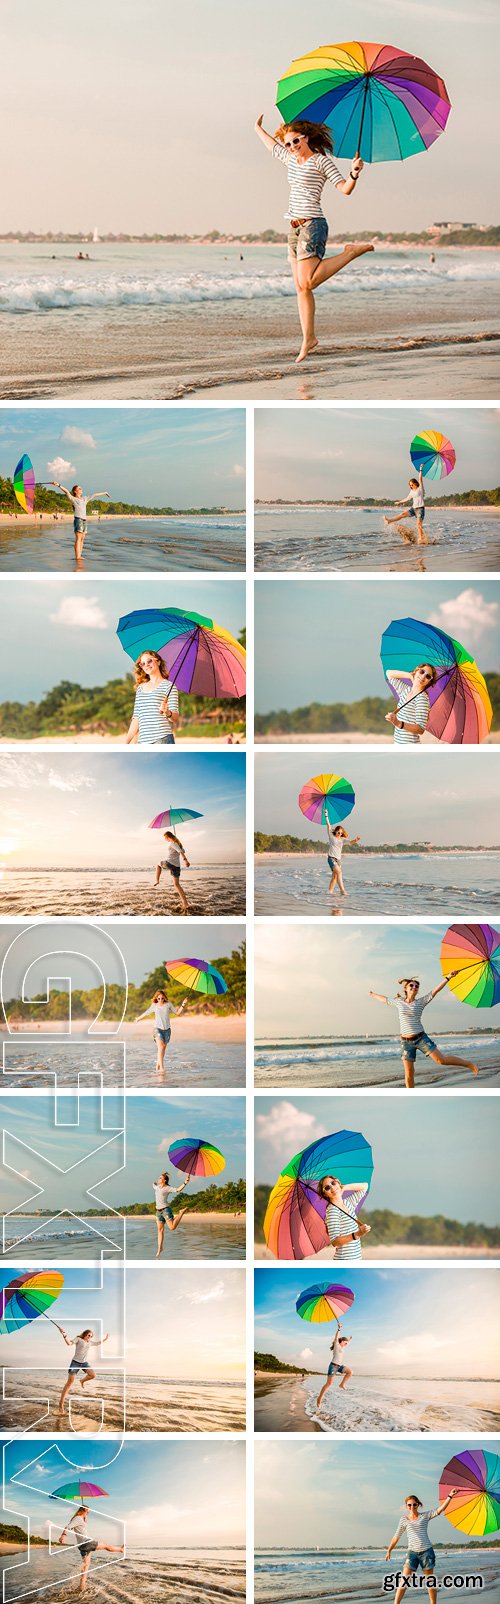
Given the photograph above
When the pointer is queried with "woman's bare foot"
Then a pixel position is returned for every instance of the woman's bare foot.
(306, 348)
(474, 1068)
(386, 520)
(351, 251)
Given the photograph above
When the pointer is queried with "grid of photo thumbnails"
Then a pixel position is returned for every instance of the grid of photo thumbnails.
(250, 803)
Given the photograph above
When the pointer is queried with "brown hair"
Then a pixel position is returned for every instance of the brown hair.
(159, 994)
(432, 669)
(86, 1333)
(322, 1182)
(141, 678)
(413, 1495)
(318, 135)
(339, 830)
(81, 1511)
(74, 489)
(411, 981)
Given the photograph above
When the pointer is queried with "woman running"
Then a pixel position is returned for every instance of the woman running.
(156, 706)
(336, 1366)
(80, 1361)
(411, 716)
(344, 1229)
(174, 851)
(420, 1551)
(164, 1213)
(306, 148)
(87, 1545)
(336, 837)
(162, 1009)
(413, 1039)
(79, 504)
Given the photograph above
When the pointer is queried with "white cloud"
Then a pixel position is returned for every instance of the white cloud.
(412, 1350)
(59, 466)
(78, 437)
(69, 782)
(306, 1353)
(239, 470)
(80, 612)
(287, 1129)
(213, 1295)
(467, 617)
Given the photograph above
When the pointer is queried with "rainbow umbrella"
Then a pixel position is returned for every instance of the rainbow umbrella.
(76, 1491)
(326, 798)
(171, 817)
(24, 483)
(201, 658)
(196, 1157)
(433, 453)
(194, 974)
(294, 1225)
(461, 711)
(475, 1509)
(324, 1302)
(27, 1297)
(474, 951)
(376, 99)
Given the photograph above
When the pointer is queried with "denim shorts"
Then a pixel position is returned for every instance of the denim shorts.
(164, 1214)
(425, 1557)
(174, 868)
(333, 863)
(419, 1044)
(79, 526)
(164, 1035)
(87, 1545)
(78, 1364)
(333, 1369)
(417, 512)
(308, 239)
(165, 740)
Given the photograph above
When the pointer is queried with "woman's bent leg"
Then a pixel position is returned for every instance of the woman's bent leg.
(334, 264)
(85, 1567)
(461, 1063)
(67, 1388)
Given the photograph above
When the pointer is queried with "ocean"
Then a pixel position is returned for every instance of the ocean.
(448, 884)
(208, 541)
(351, 1061)
(191, 1063)
(145, 1576)
(213, 889)
(413, 1404)
(153, 1403)
(307, 538)
(214, 1238)
(356, 1576)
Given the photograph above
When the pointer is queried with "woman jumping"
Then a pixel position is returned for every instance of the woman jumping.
(413, 1039)
(411, 717)
(336, 1366)
(87, 1545)
(156, 706)
(79, 504)
(420, 1551)
(164, 1213)
(336, 837)
(344, 1229)
(306, 148)
(162, 1009)
(172, 861)
(80, 1362)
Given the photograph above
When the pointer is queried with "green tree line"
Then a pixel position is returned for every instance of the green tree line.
(366, 715)
(389, 1227)
(467, 498)
(50, 501)
(10, 1533)
(268, 1361)
(299, 844)
(85, 1004)
(71, 709)
(222, 1199)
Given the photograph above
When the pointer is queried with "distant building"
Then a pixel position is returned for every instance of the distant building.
(448, 228)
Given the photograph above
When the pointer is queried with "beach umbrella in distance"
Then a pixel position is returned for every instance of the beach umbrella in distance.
(27, 1297)
(76, 1491)
(294, 1224)
(171, 817)
(460, 707)
(323, 1302)
(475, 1508)
(474, 951)
(24, 482)
(433, 453)
(327, 797)
(194, 974)
(201, 658)
(195, 1156)
(378, 101)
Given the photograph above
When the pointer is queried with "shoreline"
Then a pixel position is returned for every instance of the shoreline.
(395, 1250)
(280, 1406)
(34, 519)
(349, 738)
(230, 1218)
(217, 1028)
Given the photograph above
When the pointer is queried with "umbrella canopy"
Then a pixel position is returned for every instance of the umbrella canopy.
(473, 950)
(327, 797)
(294, 1225)
(76, 1491)
(475, 1509)
(461, 711)
(171, 817)
(433, 453)
(201, 657)
(376, 99)
(324, 1302)
(194, 974)
(24, 483)
(27, 1297)
(195, 1156)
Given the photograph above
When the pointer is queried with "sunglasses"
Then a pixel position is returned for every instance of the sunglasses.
(290, 142)
(411, 1503)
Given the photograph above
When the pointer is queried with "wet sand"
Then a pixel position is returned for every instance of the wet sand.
(114, 1403)
(140, 1578)
(102, 893)
(280, 1403)
(375, 1404)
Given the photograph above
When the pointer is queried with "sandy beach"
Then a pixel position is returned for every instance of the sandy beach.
(395, 1250)
(212, 1235)
(117, 1403)
(280, 1403)
(350, 738)
(187, 1027)
(369, 1403)
(144, 1576)
(210, 889)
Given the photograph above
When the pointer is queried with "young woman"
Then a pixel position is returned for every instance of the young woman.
(156, 706)
(344, 1229)
(164, 1214)
(336, 1366)
(420, 1551)
(174, 851)
(87, 1545)
(413, 1038)
(162, 1009)
(411, 716)
(80, 1361)
(336, 837)
(307, 150)
(417, 509)
(79, 504)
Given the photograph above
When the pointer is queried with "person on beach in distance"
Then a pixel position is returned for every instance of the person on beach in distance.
(172, 862)
(87, 1545)
(156, 706)
(162, 1009)
(417, 510)
(344, 1229)
(80, 1362)
(336, 1366)
(79, 504)
(336, 837)
(164, 1214)
(306, 148)
(420, 1551)
(413, 1039)
(411, 716)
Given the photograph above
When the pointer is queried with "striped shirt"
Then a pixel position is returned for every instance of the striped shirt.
(153, 725)
(335, 843)
(410, 1014)
(307, 181)
(340, 1221)
(416, 1531)
(413, 710)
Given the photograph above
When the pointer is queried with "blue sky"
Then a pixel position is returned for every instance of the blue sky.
(436, 1159)
(91, 811)
(143, 946)
(330, 1493)
(336, 628)
(320, 986)
(436, 807)
(171, 1494)
(157, 457)
(175, 167)
(387, 1340)
(350, 451)
(71, 630)
(153, 1123)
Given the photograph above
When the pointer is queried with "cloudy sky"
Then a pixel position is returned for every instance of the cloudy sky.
(171, 97)
(339, 451)
(142, 945)
(337, 625)
(153, 456)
